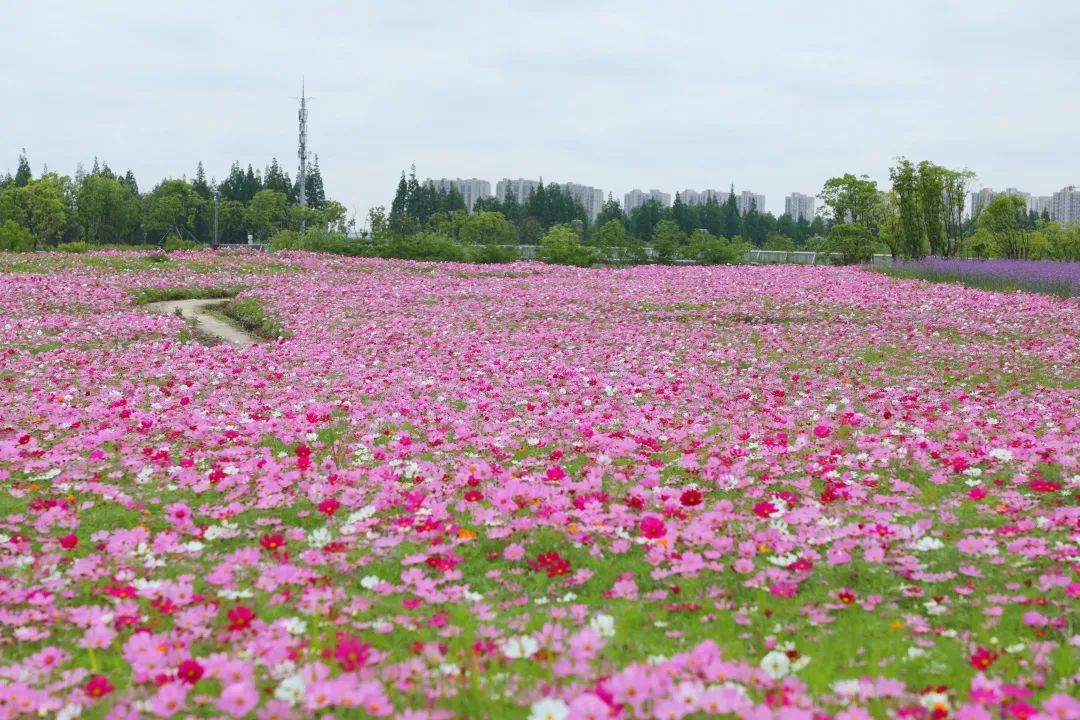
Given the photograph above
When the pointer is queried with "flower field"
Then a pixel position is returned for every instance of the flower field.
(456, 491)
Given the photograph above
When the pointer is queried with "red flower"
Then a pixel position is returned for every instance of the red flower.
(690, 497)
(764, 509)
(98, 686)
(190, 671)
(68, 542)
(552, 563)
(982, 658)
(555, 473)
(329, 506)
(272, 542)
(822, 431)
(240, 617)
(652, 527)
(474, 496)
(302, 451)
(351, 653)
(847, 596)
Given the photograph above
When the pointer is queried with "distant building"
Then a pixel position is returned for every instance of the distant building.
(471, 189)
(636, 198)
(591, 198)
(799, 206)
(1039, 204)
(979, 200)
(520, 188)
(1065, 205)
(746, 200)
(693, 197)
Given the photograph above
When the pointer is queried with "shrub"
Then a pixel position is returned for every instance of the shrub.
(15, 238)
(708, 249)
(851, 241)
(423, 246)
(174, 243)
(561, 246)
(492, 253)
(74, 247)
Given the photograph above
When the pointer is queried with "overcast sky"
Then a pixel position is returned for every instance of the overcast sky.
(774, 97)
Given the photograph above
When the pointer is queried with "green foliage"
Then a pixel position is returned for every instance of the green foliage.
(174, 243)
(929, 205)
(492, 254)
(616, 244)
(14, 237)
(850, 199)
(1062, 243)
(423, 246)
(487, 228)
(708, 249)
(143, 296)
(1004, 218)
(107, 210)
(268, 211)
(171, 208)
(250, 315)
(779, 242)
(852, 241)
(74, 247)
(40, 206)
(561, 246)
(667, 239)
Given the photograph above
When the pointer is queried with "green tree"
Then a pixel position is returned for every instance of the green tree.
(14, 237)
(611, 210)
(850, 199)
(707, 249)
(644, 217)
(851, 241)
(23, 176)
(1063, 243)
(171, 209)
(732, 219)
(712, 216)
(267, 213)
(681, 214)
(776, 241)
(487, 228)
(107, 210)
(1003, 219)
(667, 239)
(42, 207)
(616, 244)
(910, 241)
(561, 245)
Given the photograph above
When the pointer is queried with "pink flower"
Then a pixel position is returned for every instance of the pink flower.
(513, 552)
(168, 700)
(652, 527)
(238, 699)
(822, 431)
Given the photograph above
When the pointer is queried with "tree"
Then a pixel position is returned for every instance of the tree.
(562, 246)
(1003, 219)
(852, 241)
(274, 178)
(487, 228)
(616, 244)
(1062, 243)
(267, 213)
(313, 181)
(107, 210)
(850, 199)
(611, 210)
(399, 221)
(777, 241)
(667, 239)
(129, 180)
(712, 216)
(731, 216)
(707, 249)
(171, 209)
(681, 214)
(41, 207)
(910, 240)
(644, 217)
(14, 237)
(23, 176)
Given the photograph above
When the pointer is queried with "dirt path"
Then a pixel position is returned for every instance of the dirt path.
(206, 323)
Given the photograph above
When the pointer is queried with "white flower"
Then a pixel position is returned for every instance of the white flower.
(926, 543)
(776, 665)
(934, 701)
(520, 647)
(549, 709)
(783, 560)
(1018, 647)
(370, 582)
(1001, 454)
(604, 625)
(294, 626)
(319, 537)
(291, 689)
(235, 594)
(69, 711)
(914, 653)
(473, 596)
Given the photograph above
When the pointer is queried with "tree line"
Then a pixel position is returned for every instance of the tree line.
(103, 207)
(922, 213)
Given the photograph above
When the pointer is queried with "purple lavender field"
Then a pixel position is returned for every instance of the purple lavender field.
(1043, 276)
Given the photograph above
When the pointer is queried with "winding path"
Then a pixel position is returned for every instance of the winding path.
(209, 324)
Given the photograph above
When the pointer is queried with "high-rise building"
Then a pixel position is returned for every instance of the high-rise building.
(636, 198)
(694, 197)
(520, 188)
(1039, 204)
(980, 200)
(591, 198)
(799, 206)
(471, 189)
(1065, 205)
(746, 200)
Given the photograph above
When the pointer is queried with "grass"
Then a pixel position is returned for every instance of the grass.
(143, 296)
(252, 317)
